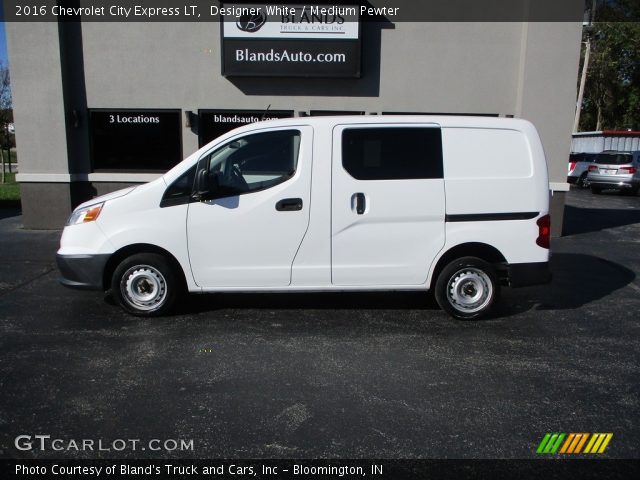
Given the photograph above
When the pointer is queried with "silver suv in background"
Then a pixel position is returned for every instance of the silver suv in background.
(578, 168)
(615, 170)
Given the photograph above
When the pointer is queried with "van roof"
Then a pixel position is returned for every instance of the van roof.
(442, 120)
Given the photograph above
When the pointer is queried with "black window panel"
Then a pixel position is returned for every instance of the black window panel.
(329, 113)
(135, 140)
(448, 114)
(214, 123)
(392, 153)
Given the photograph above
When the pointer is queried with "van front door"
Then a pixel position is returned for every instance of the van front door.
(388, 204)
(247, 234)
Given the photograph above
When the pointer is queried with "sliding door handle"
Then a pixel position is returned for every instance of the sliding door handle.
(360, 203)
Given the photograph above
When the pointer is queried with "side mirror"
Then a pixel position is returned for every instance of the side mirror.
(203, 184)
(207, 184)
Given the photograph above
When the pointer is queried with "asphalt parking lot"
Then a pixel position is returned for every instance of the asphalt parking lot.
(331, 375)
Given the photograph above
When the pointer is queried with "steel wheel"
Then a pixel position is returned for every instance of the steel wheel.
(146, 284)
(467, 288)
(143, 287)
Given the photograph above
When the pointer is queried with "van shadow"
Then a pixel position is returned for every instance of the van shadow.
(583, 220)
(310, 301)
(578, 280)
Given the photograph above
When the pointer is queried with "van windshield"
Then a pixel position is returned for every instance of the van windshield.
(614, 158)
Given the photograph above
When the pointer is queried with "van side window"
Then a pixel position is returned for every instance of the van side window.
(386, 153)
(254, 162)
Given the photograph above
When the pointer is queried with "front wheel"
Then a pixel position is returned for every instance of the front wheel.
(146, 284)
(467, 288)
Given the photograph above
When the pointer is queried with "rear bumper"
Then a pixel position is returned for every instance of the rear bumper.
(613, 181)
(527, 274)
(83, 272)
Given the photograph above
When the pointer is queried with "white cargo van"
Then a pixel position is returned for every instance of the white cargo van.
(455, 204)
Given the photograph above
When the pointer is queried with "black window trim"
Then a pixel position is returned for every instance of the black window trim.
(225, 111)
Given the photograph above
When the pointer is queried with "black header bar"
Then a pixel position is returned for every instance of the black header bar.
(583, 469)
(370, 10)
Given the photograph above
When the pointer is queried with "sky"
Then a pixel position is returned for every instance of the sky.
(3, 44)
(3, 37)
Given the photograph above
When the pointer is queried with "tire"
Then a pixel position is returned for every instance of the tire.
(596, 190)
(583, 181)
(146, 284)
(467, 288)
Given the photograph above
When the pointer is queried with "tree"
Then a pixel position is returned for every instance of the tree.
(6, 115)
(612, 90)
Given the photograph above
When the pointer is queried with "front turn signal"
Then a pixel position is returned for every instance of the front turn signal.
(85, 214)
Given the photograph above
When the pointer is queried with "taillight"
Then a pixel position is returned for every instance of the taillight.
(593, 168)
(572, 165)
(544, 231)
(630, 170)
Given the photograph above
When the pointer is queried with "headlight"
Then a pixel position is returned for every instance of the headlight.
(86, 214)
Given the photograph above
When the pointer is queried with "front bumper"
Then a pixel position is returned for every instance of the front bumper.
(528, 274)
(84, 272)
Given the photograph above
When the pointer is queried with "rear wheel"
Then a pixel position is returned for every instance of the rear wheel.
(467, 288)
(583, 181)
(146, 284)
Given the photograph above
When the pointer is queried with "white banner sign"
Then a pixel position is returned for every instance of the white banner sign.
(290, 21)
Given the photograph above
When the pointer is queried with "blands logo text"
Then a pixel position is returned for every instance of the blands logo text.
(574, 443)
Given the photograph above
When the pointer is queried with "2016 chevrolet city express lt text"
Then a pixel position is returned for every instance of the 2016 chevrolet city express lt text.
(455, 204)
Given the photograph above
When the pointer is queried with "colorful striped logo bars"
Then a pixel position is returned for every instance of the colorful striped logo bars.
(574, 442)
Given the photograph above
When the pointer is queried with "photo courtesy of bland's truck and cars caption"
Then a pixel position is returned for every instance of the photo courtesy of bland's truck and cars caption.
(318, 192)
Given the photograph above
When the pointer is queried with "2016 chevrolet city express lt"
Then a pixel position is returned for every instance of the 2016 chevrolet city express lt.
(455, 204)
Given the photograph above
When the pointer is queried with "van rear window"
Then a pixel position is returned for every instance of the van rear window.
(392, 153)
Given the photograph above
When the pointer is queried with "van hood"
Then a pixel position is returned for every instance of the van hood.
(108, 196)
